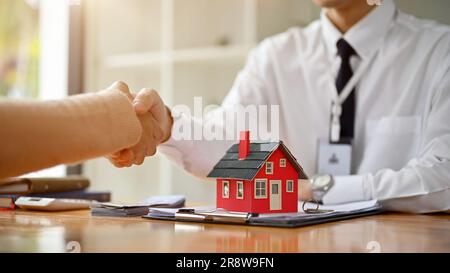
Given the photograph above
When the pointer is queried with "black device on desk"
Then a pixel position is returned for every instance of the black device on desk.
(52, 204)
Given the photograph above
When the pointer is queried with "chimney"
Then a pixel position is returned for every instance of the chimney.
(244, 145)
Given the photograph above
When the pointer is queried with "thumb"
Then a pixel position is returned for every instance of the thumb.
(148, 100)
(122, 87)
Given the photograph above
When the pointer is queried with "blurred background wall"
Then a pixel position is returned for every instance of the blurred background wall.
(182, 48)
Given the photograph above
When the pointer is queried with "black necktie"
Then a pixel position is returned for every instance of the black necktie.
(345, 51)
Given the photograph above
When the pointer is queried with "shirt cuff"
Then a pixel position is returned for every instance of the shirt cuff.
(346, 189)
(175, 148)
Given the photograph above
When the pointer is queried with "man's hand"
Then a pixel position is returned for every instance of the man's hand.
(304, 190)
(156, 122)
(148, 101)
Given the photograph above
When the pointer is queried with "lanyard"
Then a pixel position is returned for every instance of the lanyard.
(339, 98)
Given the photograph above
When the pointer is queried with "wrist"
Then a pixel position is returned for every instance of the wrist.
(320, 185)
(168, 129)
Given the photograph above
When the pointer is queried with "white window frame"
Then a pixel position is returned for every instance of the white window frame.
(271, 167)
(287, 187)
(264, 181)
(283, 162)
(239, 184)
(225, 182)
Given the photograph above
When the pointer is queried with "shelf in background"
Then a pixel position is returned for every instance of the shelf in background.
(154, 58)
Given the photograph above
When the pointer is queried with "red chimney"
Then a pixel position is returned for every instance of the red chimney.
(244, 145)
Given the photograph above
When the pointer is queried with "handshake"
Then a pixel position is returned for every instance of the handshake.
(156, 122)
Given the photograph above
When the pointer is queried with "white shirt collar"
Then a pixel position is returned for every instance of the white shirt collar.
(365, 35)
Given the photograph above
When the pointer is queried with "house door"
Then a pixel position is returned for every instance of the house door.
(275, 194)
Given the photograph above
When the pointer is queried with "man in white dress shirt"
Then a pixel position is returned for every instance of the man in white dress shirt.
(400, 106)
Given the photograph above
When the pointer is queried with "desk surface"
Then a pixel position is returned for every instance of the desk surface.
(25, 231)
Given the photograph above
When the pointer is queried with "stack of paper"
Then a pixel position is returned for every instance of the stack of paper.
(202, 214)
(170, 212)
(125, 210)
(331, 212)
(297, 219)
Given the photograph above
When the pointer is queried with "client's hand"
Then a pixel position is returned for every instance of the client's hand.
(156, 124)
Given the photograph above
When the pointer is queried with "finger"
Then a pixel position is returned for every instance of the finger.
(151, 150)
(116, 163)
(122, 87)
(139, 159)
(125, 155)
(148, 100)
(119, 85)
(129, 164)
(143, 101)
(156, 130)
(116, 155)
(158, 133)
(122, 159)
(123, 164)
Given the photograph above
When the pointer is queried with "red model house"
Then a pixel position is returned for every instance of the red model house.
(258, 178)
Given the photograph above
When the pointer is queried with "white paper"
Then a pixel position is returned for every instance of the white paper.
(170, 212)
(347, 207)
(168, 200)
(353, 206)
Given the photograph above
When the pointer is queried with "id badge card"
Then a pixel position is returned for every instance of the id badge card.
(334, 158)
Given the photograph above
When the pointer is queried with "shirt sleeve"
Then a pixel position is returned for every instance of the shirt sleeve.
(423, 185)
(198, 154)
(346, 189)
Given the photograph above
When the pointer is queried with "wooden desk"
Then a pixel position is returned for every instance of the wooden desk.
(24, 231)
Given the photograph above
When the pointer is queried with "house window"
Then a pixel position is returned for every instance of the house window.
(225, 189)
(274, 189)
(240, 190)
(282, 162)
(260, 188)
(290, 185)
(269, 168)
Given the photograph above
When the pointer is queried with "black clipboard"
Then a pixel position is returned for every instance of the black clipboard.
(286, 220)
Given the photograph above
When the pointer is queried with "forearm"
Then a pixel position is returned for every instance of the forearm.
(421, 186)
(431, 202)
(37, 135)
